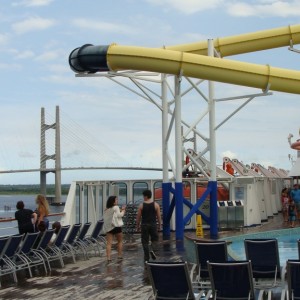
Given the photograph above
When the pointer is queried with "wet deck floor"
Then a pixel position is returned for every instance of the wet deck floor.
(94, 279)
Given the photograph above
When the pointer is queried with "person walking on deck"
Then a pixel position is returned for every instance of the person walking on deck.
(147, 217)
(295, 195)
(292, 213)
(113, 226)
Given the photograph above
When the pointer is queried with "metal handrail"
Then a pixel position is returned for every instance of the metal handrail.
(13, 219)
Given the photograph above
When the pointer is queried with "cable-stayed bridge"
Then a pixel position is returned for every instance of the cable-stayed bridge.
(81, 151)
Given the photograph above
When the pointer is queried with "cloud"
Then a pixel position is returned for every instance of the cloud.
(234, 8)
(103, 26)
(26, 154)
(188, 6)
(59, 68)
(194, 37)
(72, 153)
(32, 3)
(24, 54)
(48, 56)
(8, 66)
(3, 39)
(32, 24)
(59, 79)
(265, 8)
(229, 154)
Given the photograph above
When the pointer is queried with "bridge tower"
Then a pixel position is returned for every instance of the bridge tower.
(56, 156)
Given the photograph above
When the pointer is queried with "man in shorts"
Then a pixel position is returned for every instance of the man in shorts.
(295, 195)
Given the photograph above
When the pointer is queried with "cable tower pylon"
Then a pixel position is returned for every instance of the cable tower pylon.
(56, 157)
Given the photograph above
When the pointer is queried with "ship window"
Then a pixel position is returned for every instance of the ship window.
(138, 188)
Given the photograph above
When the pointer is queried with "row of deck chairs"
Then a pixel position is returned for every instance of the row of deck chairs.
(214, 276)
(20, 253)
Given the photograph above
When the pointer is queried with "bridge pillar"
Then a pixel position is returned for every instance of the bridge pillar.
(44, 157)
(57, 159)
(43, 182)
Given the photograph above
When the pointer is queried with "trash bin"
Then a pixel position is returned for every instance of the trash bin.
(239, 213)
(231, 214)
(222, 214)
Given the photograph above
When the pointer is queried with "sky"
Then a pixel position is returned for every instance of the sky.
(103, 124)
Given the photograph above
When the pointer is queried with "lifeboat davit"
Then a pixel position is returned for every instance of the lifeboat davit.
(296, 145)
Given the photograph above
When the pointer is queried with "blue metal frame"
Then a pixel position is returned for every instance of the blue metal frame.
(166, 188)
(179, 211)
(213, 209)
(178, 200)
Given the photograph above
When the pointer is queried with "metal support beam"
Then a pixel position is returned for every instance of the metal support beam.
(213, 157)
(166, 185)
(178, 160)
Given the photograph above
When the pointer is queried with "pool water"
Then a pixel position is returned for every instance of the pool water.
(287, 244)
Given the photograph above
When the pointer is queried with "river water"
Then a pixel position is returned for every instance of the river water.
(8, 209)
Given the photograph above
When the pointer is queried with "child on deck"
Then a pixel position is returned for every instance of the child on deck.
(292, 213)
(285, 204)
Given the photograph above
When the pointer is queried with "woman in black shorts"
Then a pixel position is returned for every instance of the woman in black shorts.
(113, 226)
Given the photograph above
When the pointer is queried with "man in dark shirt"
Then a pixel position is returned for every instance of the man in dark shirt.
(25, 217)
(149, 213)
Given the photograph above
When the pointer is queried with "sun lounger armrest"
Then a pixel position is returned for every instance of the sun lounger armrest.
(283, 273)
(208, 295)
(193, 272)
(284, 294)
(260, 295)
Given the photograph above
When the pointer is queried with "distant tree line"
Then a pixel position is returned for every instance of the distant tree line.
(31, 189)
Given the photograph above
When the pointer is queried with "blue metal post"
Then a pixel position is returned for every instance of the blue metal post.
(179, 210)
(166, 206)
(213, 210)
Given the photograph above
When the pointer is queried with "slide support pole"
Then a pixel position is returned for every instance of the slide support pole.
(178, 160)
(212, 148)
(166, 184)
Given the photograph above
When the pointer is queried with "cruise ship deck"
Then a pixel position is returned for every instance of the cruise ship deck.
(94, 279)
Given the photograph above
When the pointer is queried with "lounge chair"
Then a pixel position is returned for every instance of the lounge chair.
(292, 291)
(54, 251)
(79, 244)
(8, 255)
(215, 251)
(6, 268)
(42, 245)
(67, 247)
(232, 280)
(264, 257)
(171, 281)
(96, 241)
(29, 257)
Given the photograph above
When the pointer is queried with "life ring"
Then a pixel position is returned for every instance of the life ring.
(296, 145)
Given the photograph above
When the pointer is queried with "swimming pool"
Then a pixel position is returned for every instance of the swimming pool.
(287, 243)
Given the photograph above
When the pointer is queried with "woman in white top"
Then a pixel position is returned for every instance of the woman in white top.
(113, 226)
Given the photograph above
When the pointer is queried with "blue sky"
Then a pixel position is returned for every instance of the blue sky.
(36, 37)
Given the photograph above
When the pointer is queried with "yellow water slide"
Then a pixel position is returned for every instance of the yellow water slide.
(245, 43)
(191, 60)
